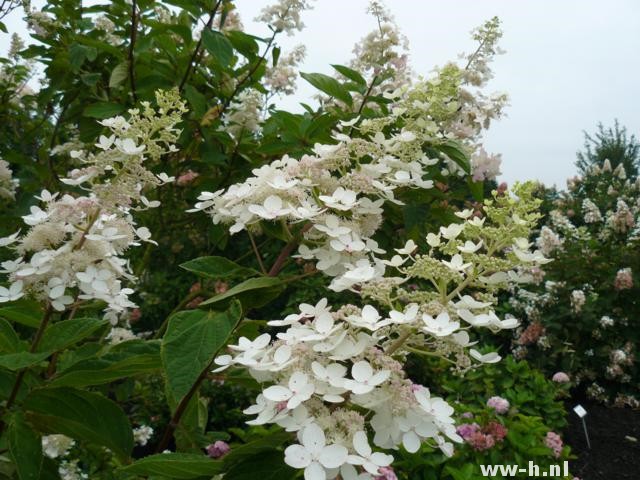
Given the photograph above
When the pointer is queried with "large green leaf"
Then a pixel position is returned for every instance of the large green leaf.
(63, 334)
(351, 74)
(251, 293)
(9, 341)
(328, 85)
(98, 371)
(103, 110)
(176, 465)
(20, 360)
(218, 46)
(23, 312)
(119, 74)
(255, 449)
(456, 153)
(81, 415)
(218, 268)
(267, 465)
(243, 43)
(25, 447)
(192, 340)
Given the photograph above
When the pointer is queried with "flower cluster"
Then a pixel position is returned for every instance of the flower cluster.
(482, 438)
(554, 442)
(8, 184)
(281, 79)
(499, 404)
(285, 15)
(382, 54)
(339, 191)
(72, 249)
(336, 376)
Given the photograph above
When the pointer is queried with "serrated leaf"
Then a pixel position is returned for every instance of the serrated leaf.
(23, 312)
(350, 74)
(81, 415)
(98, 371)
(328, 85)
(245, 44)
(25, 447)
(218, 46)
(119, 74)
(20, 360)
(103, 110)
(61, 335)
(9, 341)
(191, 342)
(252, 293)
(218, 268)
(175, 465)
(456, 153)
(265, 466)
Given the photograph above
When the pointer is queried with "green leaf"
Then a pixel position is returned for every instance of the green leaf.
(20, 360)
(175, 465)
(9, 341)
(275, 56)
(191, 342)
(351, 74)
(255, 449)
(476, 189)
(119, 74)
(90, 79)
(218, 46)
(23, 312)
(197, 100)
(25, 447)
(328, 85)
(218, 268)
(63, 334)
(265, 466)
(81, 415)
(245, 44)
(98, 371)
(252, 293)
(103, 110)
(455, 152)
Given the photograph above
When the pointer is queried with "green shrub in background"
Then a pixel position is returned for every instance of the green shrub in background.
(582, 320)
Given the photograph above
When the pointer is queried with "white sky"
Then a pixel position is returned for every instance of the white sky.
(569, 64)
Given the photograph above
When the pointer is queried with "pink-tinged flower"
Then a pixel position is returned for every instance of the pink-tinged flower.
(496, 430)
(186, 178)
(467, 430)
(481, 441)
(220, 287)
(499, 404)
(554, 442)
(467, 415)
(560, 377)
(531, 334)
(218, 449)
(195, 302)
(386, 473)
(624, 279)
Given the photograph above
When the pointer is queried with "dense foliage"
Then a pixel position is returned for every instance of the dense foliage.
(582, 319)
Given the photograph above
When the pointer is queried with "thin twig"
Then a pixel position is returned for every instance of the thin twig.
(197, 50)
(132, 44)
(34, 346)
(286, 252)
(257, 253)
(253, 70)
